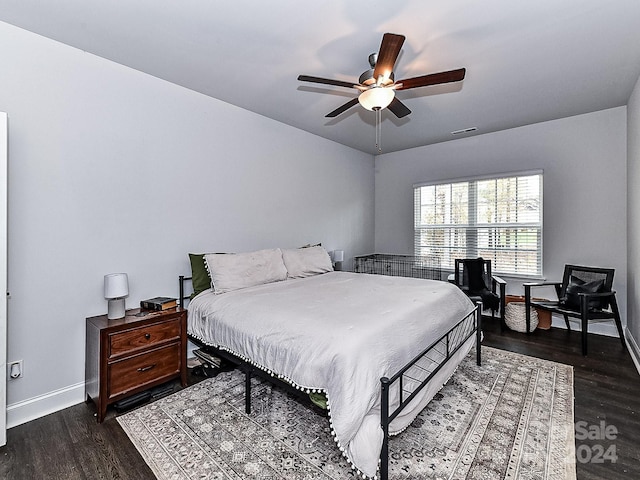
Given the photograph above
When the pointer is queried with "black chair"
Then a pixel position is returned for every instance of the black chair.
(585, 293)
(473, 276)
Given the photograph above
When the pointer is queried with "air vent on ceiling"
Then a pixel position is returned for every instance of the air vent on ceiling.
(464, 130)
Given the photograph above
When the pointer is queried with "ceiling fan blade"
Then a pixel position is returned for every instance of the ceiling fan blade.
(387, 55)
(326, 81)
(398, 108)
(343, 108)
(431, 79)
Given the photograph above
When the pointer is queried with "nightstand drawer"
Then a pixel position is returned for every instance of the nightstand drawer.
(129, 341)
(140, 370)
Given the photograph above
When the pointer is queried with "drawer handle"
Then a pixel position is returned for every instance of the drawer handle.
(147, 368)
(147, 336)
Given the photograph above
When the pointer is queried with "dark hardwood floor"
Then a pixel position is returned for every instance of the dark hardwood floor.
(606, 389)
(70, 444)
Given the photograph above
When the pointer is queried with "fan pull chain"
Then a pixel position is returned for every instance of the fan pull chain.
(379, 129)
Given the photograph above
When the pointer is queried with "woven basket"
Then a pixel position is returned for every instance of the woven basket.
(515, 317)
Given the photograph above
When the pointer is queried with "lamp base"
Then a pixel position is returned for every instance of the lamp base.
(115, 308)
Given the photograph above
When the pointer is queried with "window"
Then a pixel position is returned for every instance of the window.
(495, 218)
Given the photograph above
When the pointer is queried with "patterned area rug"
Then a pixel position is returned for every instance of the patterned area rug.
(511, 418)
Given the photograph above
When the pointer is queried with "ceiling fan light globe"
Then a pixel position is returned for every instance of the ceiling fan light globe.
(376, 98)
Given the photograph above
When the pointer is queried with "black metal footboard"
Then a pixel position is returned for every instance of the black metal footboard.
(416, 374)
(407, 382)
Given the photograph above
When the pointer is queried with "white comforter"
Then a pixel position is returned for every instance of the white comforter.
(338, 332)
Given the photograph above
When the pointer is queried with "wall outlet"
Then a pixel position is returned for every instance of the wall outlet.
(15, 369)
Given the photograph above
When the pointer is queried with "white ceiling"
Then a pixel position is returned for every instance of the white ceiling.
(526, 62)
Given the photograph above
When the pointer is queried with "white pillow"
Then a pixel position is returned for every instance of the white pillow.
(305, 262)
(233, 271)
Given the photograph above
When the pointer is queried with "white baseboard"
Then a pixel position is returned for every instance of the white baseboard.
(634, 350)
(50, 402)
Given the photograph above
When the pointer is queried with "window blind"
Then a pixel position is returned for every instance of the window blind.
(494, 218)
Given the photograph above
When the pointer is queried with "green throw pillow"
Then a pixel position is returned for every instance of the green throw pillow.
(199, 274)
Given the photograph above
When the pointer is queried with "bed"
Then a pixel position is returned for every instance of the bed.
(378, 347)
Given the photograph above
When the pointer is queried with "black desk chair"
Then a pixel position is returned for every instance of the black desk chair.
(473, 276)
(585, 293)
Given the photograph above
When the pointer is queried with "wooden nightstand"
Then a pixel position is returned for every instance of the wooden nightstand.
(134, 353)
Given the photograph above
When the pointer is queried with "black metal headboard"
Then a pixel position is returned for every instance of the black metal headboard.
(182, 296)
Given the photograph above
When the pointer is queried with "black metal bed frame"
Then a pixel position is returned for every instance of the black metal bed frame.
(450, 342)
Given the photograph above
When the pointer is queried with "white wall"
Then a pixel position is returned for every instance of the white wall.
(113, 170)
(633, 222)
(585, 202)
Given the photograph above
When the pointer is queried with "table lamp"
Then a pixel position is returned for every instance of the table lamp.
(338, 258)
(116, 287)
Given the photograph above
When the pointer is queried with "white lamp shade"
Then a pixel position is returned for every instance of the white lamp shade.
(116, 285)
(376, 98)
(338, 255)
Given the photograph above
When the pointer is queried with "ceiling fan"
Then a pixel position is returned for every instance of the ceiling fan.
(377, 85)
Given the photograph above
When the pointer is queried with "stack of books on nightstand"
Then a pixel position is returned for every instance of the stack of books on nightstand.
(159, 303)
